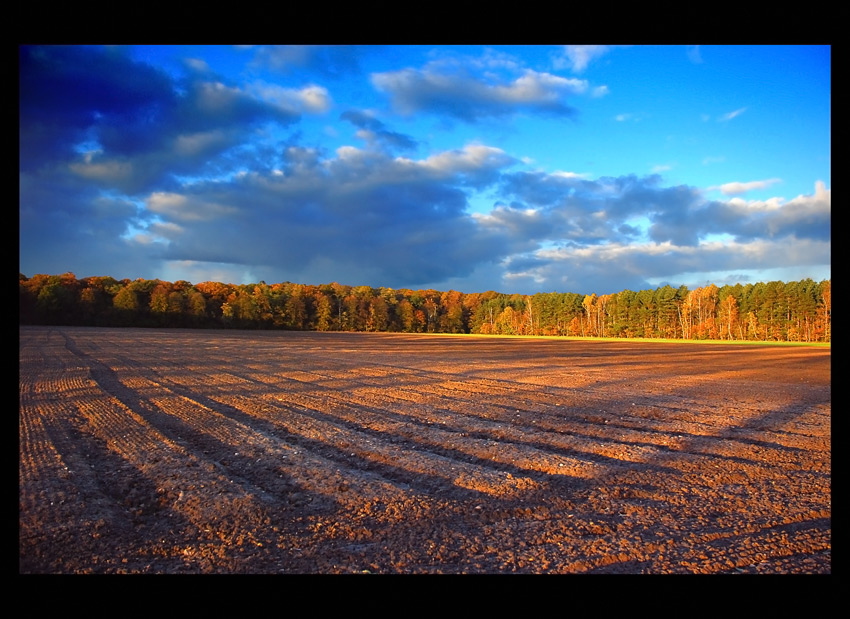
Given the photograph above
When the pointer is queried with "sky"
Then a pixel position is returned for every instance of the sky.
(518, 169)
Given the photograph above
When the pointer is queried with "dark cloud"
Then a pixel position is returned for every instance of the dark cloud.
(588, 234)
(538, 188)
(804, 217)
(65, 225)
(374, 131)
(67, 92)
(124, 125)
(406, 220)
(602, 209)
(405, 223)
(96, 125)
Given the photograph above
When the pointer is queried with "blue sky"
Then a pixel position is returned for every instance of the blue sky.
(520, 169)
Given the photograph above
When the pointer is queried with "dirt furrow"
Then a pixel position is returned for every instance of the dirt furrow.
(174, 451)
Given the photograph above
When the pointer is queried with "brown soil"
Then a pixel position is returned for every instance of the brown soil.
(170, 451)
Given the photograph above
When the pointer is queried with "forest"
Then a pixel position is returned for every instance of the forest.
(773, 311)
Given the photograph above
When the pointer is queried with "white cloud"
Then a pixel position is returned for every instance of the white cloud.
(630, 116)
(563, 174)
(312, 98)
(534, 87)
(315, 99)
(189, 145)
(694, 54)
(473, 157)
(108, 172)
(743, 206)
(349, 153)
(472, 97)
(215, 97)
(578, 57)
(736, 187)
(733, 114)
(197, 64)
(186, 208)
(166, 229)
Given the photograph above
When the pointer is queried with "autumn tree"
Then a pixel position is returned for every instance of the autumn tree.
(379, 315)
(262, 297)
(126, 302)
(430, 308)
(196, 307)
(452, 320)
(324, 312)
(826, 309)
(728, 317)
(589, 305)
(406, 316)
(506, 323)
(159, 299)
(296, 310)
(602, 311)
(216, 294)
(793, 311)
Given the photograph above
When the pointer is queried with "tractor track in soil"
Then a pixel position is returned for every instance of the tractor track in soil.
(180, 451)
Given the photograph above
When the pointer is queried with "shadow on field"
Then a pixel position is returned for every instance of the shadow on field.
(463, 454)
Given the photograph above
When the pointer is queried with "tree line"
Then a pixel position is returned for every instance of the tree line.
(773, 311)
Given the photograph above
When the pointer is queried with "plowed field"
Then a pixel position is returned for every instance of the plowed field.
(177, 451)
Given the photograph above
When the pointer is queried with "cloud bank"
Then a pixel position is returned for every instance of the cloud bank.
(129, 171)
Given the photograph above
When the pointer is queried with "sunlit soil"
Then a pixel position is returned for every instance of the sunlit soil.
(177, 451)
